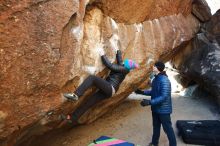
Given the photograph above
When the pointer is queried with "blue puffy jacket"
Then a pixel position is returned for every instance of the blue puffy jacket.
(160, 94)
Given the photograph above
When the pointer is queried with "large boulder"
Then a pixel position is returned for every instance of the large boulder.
(203, 66)
(50, 47)
(201, 10)
(145, 42)
(34, 60)
(136, 11)
(212, 28)
(201, 62)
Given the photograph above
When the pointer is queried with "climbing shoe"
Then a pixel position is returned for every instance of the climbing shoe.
(65, 120)
(71, 96)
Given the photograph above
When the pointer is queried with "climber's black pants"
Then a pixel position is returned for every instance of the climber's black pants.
(105, 91)
(100, 83)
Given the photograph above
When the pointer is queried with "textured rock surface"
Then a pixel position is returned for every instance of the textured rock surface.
(46, 49)
(133, 11)
(145, 42)
(201, 64)
(212, 28)
(201, 10)
(34, 64)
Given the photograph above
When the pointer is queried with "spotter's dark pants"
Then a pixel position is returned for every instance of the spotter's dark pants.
(165, 121)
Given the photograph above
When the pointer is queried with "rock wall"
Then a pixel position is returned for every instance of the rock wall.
(48, 47)
(144, 42)
(201, 10)
(200, 62)
(34, 63)
(133, 11)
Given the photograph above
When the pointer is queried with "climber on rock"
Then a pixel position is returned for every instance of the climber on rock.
(107, 87)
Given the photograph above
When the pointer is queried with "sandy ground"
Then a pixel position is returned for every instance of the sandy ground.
(131, 122)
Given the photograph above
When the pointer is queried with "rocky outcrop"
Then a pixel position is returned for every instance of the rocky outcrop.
(201, 64)
(201, 10)
(145, 43)
(133, 11)
(49, 47)
(212, 28)
(34, 64)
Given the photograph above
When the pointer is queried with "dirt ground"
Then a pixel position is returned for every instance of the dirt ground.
(131, 122)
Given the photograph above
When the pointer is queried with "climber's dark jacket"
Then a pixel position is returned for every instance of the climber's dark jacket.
(118, 71)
